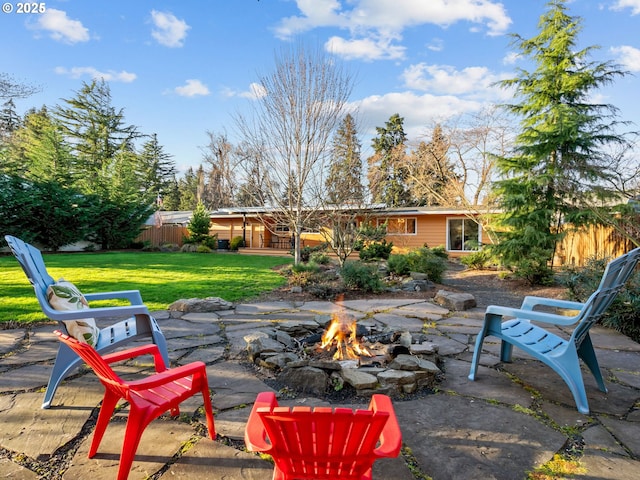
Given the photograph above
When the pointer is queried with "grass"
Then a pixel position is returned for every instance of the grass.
(162, 278)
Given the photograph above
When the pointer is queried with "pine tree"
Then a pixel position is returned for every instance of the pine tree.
(42, 150)
(388, 171)
(157, 169)
(558, 160)
(344, 182)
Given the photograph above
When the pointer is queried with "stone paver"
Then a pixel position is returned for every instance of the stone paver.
(509, 421)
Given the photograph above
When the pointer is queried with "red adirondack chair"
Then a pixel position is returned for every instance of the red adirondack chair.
(323, 443)
(148, 398)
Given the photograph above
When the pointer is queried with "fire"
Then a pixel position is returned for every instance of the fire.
(342, 334)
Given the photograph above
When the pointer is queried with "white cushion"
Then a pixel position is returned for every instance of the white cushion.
(64, 295)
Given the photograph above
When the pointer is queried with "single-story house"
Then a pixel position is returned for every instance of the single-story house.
(457, 229)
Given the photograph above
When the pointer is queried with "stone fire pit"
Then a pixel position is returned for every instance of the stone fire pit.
(401, 363)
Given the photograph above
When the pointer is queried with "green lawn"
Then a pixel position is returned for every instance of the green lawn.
(161, 278)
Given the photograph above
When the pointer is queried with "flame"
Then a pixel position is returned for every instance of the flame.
(342, 334)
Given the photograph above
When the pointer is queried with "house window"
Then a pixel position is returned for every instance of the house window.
(399, 226)
(463, 234)
(281, 228)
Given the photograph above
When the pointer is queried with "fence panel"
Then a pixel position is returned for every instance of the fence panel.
(164, 234)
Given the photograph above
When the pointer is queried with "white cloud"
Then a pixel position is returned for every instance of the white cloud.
(417, 110)
(511, 58)
(109, 76)
(634, 5)
(436, 45)
(192, 88)
(368, 21)
(365, 48)
(254, 92)
(169, 30)
(61, 27)
(446, 79)
(628, 57)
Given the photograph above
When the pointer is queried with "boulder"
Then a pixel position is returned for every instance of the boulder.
(455, 301)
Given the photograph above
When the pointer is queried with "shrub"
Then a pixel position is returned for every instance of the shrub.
(361, 276)
(376, 251)
(423, 260)
(235, 243)
(320, 258)
(210, 241)
(306, 252)
(399, 264)
(478, 260)
(203, 249)
(622, 315)
(534, 268)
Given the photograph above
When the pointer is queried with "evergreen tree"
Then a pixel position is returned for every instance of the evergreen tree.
(157, 170)
(170, 198)
(9, 121)
(388, 171)
(188, 188)
(41, 149)
(558, 161)
(199, 224)
(344, 182)
(97, 132)
(106, 165)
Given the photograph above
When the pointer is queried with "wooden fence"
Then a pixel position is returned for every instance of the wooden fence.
(157, 236)
(593, 241)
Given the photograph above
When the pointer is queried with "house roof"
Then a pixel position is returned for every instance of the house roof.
(169, 218)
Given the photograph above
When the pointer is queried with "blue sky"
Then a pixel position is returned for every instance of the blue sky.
(180, 68)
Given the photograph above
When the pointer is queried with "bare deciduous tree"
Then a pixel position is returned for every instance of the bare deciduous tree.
(301, 103)
(221, 183)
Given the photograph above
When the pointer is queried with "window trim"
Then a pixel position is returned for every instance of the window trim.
(448, 231)
(382, 220)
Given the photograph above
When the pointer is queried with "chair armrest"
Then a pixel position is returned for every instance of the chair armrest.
(125, 311)
(391, 437)
(132, 295)
(168, 376)
(530, 302)
(149, 349)
(255, 434)
(532, 315)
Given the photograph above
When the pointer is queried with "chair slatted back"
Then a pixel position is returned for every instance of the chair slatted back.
(323, 443)
(104, 372)
(615, 276)
(32, 263)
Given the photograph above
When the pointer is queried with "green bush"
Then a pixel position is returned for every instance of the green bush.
(534, 268)
(306, 252)
(235, 243)
(320, 258)
(203, 249)
(361, 276)
(376, 251)
(399, 264)
(478, 260)
(423, 260)
(622, 315)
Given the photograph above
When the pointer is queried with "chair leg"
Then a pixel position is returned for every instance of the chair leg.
(109, 403)
(490, 321)
(208, 411)
(588, 355)
(66, 362)
(136, 423)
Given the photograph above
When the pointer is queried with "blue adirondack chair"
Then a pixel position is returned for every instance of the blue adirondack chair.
(561, 354)
(140, 324)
